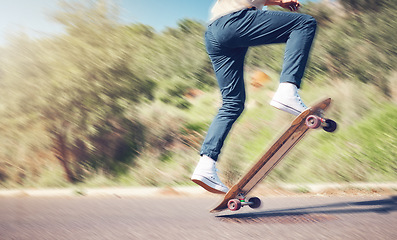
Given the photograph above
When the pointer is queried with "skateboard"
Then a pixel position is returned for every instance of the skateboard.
(311, 118)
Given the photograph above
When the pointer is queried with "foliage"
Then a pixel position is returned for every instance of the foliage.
(362, 149)
(76, 86)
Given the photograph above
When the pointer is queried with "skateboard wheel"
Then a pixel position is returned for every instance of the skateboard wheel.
(255, 202)
(313, 122)
(234, 204)
(330, 125)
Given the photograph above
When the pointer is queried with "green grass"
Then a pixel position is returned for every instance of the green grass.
(364, 148)
(364, 151)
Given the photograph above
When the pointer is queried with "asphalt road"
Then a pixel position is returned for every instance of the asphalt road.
(293, 217)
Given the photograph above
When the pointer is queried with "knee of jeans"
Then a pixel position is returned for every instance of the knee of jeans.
(240, 108)
(311, 22)
(233, 109)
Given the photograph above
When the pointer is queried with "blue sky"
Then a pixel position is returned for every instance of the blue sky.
(32, 16)
(158, 13)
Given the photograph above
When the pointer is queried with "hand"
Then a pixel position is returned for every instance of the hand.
(292, 5)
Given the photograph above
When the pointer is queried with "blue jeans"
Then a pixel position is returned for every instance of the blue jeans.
(227, 40)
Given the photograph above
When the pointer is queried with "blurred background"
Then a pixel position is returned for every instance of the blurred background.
(110, 95)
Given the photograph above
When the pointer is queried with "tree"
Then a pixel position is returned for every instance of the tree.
(78, 84)
(364, 6)
(98, 82)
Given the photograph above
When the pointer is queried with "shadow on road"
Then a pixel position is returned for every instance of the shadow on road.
(315, 213)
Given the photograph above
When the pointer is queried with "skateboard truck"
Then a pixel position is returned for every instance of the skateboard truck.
(240, 201)
(315, 121)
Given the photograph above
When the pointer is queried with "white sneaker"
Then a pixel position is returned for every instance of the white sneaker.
(287, 99)
(205, 175)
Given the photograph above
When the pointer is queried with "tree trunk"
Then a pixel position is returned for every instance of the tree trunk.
(61, 153)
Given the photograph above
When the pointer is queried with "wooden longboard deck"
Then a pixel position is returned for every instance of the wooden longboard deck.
(273, 156)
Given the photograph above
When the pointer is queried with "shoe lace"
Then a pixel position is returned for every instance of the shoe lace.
(216, 171)
(300, 100)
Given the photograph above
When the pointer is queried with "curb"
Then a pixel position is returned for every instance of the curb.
(390, 187)
(102, 192)
(315, 188)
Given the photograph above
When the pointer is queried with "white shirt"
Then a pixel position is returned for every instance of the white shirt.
(223, 7)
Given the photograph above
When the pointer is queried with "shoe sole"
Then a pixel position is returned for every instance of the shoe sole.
(284, 108)
(204, 183)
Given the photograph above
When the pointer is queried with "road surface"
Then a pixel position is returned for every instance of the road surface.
(187, 217)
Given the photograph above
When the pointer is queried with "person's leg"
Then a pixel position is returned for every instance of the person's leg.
(268, 27)
(296, 55)
(227, 41)
(228, 64)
